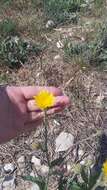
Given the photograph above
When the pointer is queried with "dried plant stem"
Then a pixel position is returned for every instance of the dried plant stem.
(41, 63)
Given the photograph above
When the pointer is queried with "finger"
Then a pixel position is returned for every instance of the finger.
(30, 91)
(35, 116)
(62, 101)
(59, 101)
(31, 106)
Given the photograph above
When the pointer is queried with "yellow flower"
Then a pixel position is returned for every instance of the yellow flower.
(104, 170)
(44, 99)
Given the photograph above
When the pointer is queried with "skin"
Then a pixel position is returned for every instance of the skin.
(18, 112)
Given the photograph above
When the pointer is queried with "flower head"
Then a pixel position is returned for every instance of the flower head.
(104, 170)
(44, 99)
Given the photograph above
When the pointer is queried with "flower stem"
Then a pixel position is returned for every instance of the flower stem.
(46, 137)
(46, 124)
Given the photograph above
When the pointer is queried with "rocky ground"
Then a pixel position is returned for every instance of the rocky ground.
(73, 133)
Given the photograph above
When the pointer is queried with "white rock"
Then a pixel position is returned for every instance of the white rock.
(36, 161)
(21, 165)
(88, 161)
(83, 39)
(9, 167)
(68, 167)
(59, 45)
(99, 100)
(50, 24)
(44, 169)
(80, 153)
(16, 39)
(64, 141)
(57, 57)
(9, 183)
(33, 174)
(56, 122)
(21, 159)
(82, 162)
(34, 187)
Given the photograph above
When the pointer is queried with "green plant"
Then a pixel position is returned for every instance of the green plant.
(99, 3)
(7, 27)
(41, 182)
(99, 7)
(62, 10)
(88, 180)
(93, 53)
(37, 3)
(85, 179)
(3, 78)
(6, 2)
(15, 51)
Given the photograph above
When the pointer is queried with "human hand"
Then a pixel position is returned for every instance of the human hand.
(18, 112)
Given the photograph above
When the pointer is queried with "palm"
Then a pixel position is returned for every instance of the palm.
(18, 111)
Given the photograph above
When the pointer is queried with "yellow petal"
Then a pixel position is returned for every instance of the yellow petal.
(44, 99)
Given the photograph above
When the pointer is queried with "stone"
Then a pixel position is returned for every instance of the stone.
(16, 39)
(9, 183)
(82, 162)
(50, 24)
(64, 141)
(99, 100)
(59, 45)
(80, 153)
(44, 169)
(88, 161)
(9, 167)
(57, 57)
(21, 159)
(34, 187)
(32, 174)
(36, 162)
(68, 167)
(21, 164)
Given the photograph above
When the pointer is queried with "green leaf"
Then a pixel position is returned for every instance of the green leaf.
(74, 186)
(39, 181)
(84, 174)
(93, 179)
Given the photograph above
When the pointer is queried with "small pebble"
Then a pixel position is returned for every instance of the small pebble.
(9, 167)
(50, 24)
(44, 169)
(35, 187)
(36, 162)
(57, 57)
(9, 183)
(59, 45)
(21, 159)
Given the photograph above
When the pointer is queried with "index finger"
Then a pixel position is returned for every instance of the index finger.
(30, 91)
